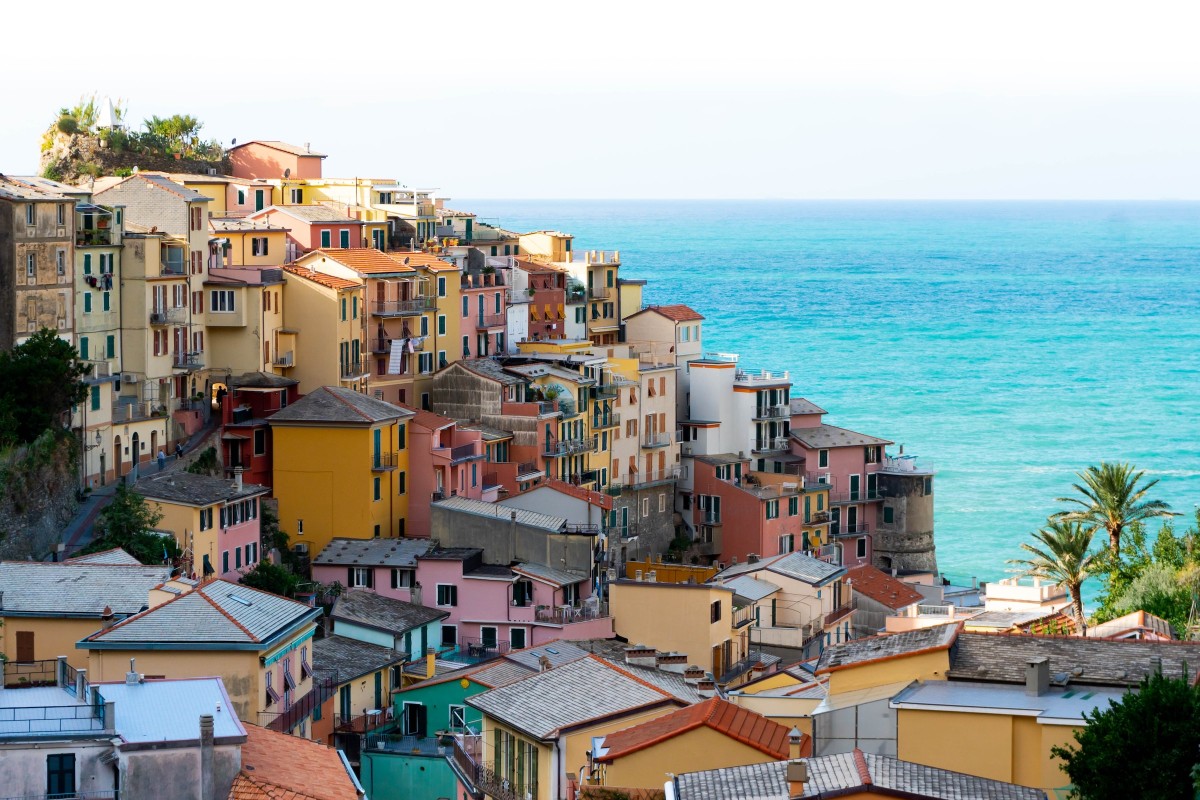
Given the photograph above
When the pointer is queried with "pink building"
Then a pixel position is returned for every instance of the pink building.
(493, 609)
(484, 314)
(848, 462)
(275, 160)
(443, 461)
(385, 566)
(313, 228)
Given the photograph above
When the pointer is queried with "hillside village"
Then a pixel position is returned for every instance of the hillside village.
(545, 543)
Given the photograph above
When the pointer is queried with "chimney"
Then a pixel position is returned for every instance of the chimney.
(1037, 676)
(797, 776)
(107, 618)
(414, 594)
(208, 783)
(237, 479)
(641, 656)
(752, 558)
(671, 662)
(795, 740)
(430, 662)
(693, 675)
(706, 688)
(131, 677)
(544, 664)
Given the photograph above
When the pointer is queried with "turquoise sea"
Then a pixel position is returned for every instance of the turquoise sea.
(1013, 343)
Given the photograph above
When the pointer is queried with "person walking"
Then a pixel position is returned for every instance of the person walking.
(178, 450)
(162, 459)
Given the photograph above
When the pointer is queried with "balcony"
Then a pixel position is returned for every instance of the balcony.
(93, 237)
(172, 267)
(475, 651)
(817, 518)
(839, 613)
(643, 480)
(565, 615)
(132, 411)
(599, 292)
(557, 448)
(772, 412)
(188, 361)
(743, 616)
(746, 375)
(168, 316)
(907, 465)
(324, 685)
(287, 359)
(652, 440)
(740, 668)
(464, 452)
(605, 391)
(493, 320)
(600, 421)
(352, 370)
(412, 344)
(100, 368)
(840, 529)
(829, 553)
(403, 308)
(527, 470)
(384, 462)
(855, 496)
(777, 445)
(708, 518)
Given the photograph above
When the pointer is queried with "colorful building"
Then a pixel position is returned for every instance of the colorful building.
(37, 232)
(246, 440)
(312, 227)
(274, 160)
(323, 339)
(386, 566)
(444, 461)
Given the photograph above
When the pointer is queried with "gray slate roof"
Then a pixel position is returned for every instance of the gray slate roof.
(350, 658)
(364, 607)
(194, 490)
(261, 380)
(490, 368)
(502, 514)
(317, 214)
(559, 653)
(823, 436)
(874, 648)
(1100, 662)
(845, 772)
(800, 405)
(215, 614)
(558, 577)
(547, 702)
(338, 404)
(373, 552)
(113, 556)
(751, 588)
(795, 565)
(76, 589)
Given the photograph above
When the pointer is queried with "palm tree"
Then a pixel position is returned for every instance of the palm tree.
(1112, 499)
(1061, 555)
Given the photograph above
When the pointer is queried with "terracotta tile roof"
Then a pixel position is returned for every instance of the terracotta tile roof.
(882, 588)
(676, 313)
(276, 766)
(321, 278)
(364, 260)
(737, 723)
(600, 499)
(429, 420)
(421, 260)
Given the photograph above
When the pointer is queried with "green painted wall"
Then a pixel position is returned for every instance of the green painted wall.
(437, 699)
(390, 776)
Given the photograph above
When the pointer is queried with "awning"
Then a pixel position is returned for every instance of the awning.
(234, 437)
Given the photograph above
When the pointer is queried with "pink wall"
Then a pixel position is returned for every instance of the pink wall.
(382, 581)
(471, 327)
(745, 528)
(235, 538)
(254, 160)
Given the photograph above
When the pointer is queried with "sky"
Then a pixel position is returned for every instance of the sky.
(829, 100)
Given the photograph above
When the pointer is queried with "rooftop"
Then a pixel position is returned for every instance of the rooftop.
(600, 499)
(261, 380)
(112, 556)
(76, 589)
(799, 405)
(430, 421)
(830, 776)
(337, 404)
(1065, 705)
(22, 192)
(320, 278)
(217, 615)
(363, 260)
(675, 313)
(363, 607)
(740, 724)
(541, 572)
(164, 183)
(515, 665)
(892, 645)
(751, 588)
(140, 717)
(283, 147)
(820, 437)
(502, 514)
(277, 766)
(195, 490)
(564, 697)
(794, 565)
(351, 658)
(373, 552)
(489, 368)
(882, 588)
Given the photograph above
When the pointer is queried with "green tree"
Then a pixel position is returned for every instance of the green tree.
(1112, 496)
(128, 522)
(271, 578)
(1061, 555)
(1141, 747)
(39, 383)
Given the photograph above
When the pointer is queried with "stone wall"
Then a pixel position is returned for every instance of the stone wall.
(907, 542)
(37, 495)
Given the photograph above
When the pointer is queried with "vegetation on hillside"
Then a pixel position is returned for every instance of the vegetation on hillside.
(128, 522)
(40, 380)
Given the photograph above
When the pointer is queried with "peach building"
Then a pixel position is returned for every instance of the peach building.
(274, 160)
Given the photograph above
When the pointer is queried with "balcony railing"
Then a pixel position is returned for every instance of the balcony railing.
(528, 468)
(842, 529)
(772, 412)
(599, 292)
(739, 668)
(639, 480)
(464, 452)
(906, 464)
(384, 462)
(743, 616)
(746, 375)
(493, 320)
(93, 236)
(388, 742)
(606, 390)
(606, 420)
(839, 613)
(855, 496)
(287, 359)
(708, 517)
(351, 370)
(556, 448)
(90, 794)
(169, 268)
(817, 518)
(412, 344)
(474, 651)
(323, 687)
(188, 361)
(403, 308)
(100, 368)
(658, 439)
(775, 445)
(168, 316)
(565, 615)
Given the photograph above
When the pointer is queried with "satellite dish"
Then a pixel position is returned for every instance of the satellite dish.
(287, 173)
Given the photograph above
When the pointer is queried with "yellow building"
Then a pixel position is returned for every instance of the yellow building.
(708, 735)
(340, 467)
(366, 676)
(540, 730)
(214, 521)
(322, 341)
(47, 607)
(241, 242)
(788, 697)
(258, 643)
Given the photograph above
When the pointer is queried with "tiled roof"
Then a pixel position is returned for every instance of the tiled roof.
(799, 405)
(364, 607)
(351, 658)
(364, 260)
(76, 589)
(418, 260)
(261, 380)
(217, 613)
(276, 766)
(1099, 662)
(1141, 621)
(600, 499)
(515, 665)
(559, 653)
(283, 147)
(489, 368)
(675, 313)
(329, 281)
(373, 552)
(882, 588)
(316, 214)
(113, 556)
(22, 192)
(338, 404)
(563, 697)
(502, 513)
(194, 490)
(1007, 620)
(795, 565)
(890, 645)
(842, 774)
(165, 183)
(429, 420)
(740, 724)
(751, 588)
(558, 577)
(670, 682)
(823, 436)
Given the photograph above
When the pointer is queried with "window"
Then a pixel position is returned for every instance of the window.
(441, 329)
(305, 669)
(224, 561)
(62, 214)
(272, 695)
(60, 262)
(106, 263)
(376, 492)
(87, 302)
(645, 506)
(60, 774)
(241, 197)
(441, 286)
(714, 611)
(237, 558)
(402, 578)
(106, 301)
(258, 245)
(862, 547)
(326, 238)
(424, 326)
(787, 543)
(466, 306)
(297, 197)
(889, 515)
(95, 397)
(344, 238)
(662, 502)
(343, 309)
(929, 486)
(360, 578)
(458, 718)
(400, 481)
(197, 218)
(793, 506)
(522, 593)
(87, 263)
(260, 442)
(516, 639)
(772, 509)
(822, 458)
(354, 307)
(447, 594)
(31, 265)
(206, 519)
(449, 635)
(31, 215)
(400, 436)
(221, 300)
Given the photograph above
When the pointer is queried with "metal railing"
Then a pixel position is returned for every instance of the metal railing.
(168, 316)
(27, 674)
(475, 650)
(708, 517)
(743, 616)
(188, 360)
(608, 390)
(382, 462)
(527, 468)
(93, 236)
(658, 439)
(907, 464)
(637, 480)
(402, 308)
(493, 320)
(599, 292)
(168, 268)
(739, 668)
(839, 613)
(855, 495)
(771, 445)
(352, 369)
(772, 412)
(287, 359)
(606, 420)
(100, 368)
(842, 529)
(387, 742)
(567, 447)
(464, 452)
(323, 688)
(562, 615)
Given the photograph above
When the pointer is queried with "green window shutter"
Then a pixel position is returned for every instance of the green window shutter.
(87, 263)
(110, 347)
(325, 238)
(96, 397)
(87, 302)
(105, 298)
(83, 346)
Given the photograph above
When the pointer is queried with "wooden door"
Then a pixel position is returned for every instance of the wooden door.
(25, 646)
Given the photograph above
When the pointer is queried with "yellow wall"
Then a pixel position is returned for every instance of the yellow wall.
(688, 607)
(631, 298)
(239, 670)
(545, 754)
(925, 666)
(323, 475)
(242, 249)
(51, 637)
(362, 691)
(315, 311)
(699, 749)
